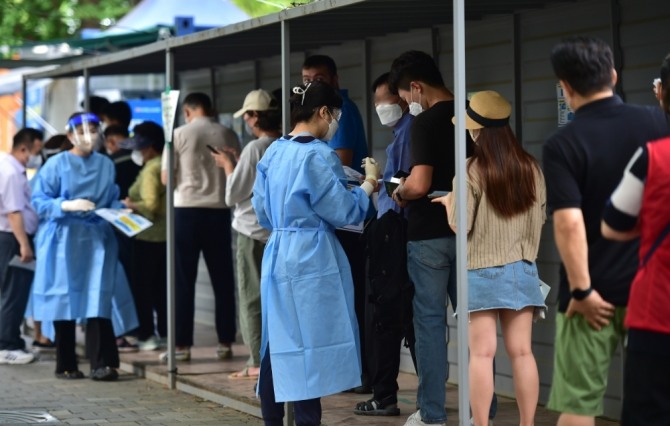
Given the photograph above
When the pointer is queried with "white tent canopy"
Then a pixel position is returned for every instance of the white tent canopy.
(151, 13)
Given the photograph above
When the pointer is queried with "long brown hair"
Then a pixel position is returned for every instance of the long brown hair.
(506, 171)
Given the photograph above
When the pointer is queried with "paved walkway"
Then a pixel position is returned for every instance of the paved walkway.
(205, 396)
(29, 391)
(207, 377)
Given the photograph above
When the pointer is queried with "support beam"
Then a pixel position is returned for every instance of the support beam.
(87, 90)
(171, 305)
(367, 101)
(24, 103)
(461, 213)
(212, 84)
(285, 75)
(518, 104)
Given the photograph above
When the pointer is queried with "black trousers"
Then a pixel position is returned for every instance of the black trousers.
(149, 285)
(389, 321)
(15, 285)
(354, 247)
(207, 231)
(646, 395)
(307, 413)
(101, 347)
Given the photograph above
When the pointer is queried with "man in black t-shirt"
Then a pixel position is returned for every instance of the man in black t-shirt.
(431, 247)
(583, 162)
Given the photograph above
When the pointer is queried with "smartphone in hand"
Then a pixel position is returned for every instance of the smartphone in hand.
(436, 194)
(214, 150)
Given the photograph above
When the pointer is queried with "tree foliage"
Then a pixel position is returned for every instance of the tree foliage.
(255, 8)
(25, 21)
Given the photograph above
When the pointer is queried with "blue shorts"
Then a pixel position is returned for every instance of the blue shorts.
(512, 286)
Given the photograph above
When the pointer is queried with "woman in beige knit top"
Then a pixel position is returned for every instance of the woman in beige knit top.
(506, 210)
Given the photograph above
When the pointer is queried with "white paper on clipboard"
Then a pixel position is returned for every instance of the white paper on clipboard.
(130, 224)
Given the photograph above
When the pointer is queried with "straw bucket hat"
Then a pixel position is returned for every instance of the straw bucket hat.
(487, 109)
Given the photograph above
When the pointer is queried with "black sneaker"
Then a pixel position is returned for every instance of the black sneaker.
(104, 374)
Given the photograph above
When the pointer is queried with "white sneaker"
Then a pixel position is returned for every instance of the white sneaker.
(151, 344)
(17, 356)
(415, 420)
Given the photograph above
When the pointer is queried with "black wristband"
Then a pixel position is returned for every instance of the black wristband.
(579, 294)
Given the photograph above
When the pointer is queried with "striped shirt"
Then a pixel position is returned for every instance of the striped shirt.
(494, 240)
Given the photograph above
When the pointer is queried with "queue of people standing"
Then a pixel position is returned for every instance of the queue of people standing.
(307, 226)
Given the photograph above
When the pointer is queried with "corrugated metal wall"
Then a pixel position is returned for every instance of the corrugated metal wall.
(490, 65)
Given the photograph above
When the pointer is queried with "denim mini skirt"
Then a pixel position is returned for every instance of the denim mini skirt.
(512, 286)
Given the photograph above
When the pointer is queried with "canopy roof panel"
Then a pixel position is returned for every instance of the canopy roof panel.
(318, 24)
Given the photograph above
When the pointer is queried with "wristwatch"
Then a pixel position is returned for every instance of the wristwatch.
(579, 294)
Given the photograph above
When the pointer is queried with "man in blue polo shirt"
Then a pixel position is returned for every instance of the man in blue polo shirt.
(389, 308)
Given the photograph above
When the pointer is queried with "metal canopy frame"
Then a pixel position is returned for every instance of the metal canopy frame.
(325, 22)
(312, 26)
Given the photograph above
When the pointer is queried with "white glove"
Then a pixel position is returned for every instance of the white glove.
(372, 169)
(78, 205)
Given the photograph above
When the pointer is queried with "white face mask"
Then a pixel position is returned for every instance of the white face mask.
(389, 114)
(248, 129)
(332, 128)
(34, 162)
(137, 157)
(86, 141)
(415, 108)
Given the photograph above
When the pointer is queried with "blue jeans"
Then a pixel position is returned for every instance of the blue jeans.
(430, 266)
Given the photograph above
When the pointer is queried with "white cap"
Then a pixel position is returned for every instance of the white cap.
(256, 100)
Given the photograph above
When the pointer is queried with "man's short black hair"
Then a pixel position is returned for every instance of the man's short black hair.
(116, 130)
(316, 61)
(26, 136)
(380, 81)
(411, 66)
(96, 105)
(585, 63)
(118, 112)
(198, 100)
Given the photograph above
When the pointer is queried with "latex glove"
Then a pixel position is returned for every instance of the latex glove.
(78, 205)
(372, 169)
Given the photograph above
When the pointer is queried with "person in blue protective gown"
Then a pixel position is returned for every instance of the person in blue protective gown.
(309, 341)
(77, 274)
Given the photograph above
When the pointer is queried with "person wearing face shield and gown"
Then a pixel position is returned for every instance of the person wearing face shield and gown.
(309, 344)
(77, 274)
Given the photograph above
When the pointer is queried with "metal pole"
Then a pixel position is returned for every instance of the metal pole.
(286, 120)
(285, 75)
(24, 101)
(172, 365)
(461, 197)
(367, 73)
(212, 83)
(87, 90)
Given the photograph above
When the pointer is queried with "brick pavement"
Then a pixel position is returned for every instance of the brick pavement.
(129, 401)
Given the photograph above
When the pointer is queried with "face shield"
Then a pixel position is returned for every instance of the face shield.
(84, 130)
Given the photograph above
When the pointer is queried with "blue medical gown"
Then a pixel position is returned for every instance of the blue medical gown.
(307, 292)
(77, 272)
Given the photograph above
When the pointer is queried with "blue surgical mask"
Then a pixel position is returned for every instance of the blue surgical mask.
(34, 162)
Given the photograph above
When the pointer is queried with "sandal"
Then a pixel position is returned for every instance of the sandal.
(244, 374)
(70, 375)
(373, 407)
